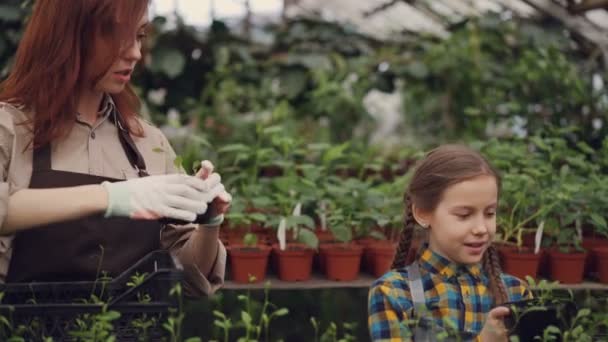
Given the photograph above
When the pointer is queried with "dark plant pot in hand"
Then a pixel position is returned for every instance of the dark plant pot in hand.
(528, 324)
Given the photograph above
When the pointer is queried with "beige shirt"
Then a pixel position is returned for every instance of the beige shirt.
(96, 150)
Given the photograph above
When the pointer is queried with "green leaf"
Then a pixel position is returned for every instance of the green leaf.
(342, 234)
(598, 220)
(233, 148)
(219, 314)
(158, 150)
(301, 220)
(258, 217)
(281, 312)
(194, 339)
(245, 318)
(308, 238)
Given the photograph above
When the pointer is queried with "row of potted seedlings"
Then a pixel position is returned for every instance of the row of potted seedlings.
(551, 221)
(351, 229)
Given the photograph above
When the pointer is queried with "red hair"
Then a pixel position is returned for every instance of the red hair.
(67, 47)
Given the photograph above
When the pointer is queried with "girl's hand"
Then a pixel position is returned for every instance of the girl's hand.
(494, 329)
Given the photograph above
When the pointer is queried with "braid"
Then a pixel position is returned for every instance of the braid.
(405, 240)
(491, 266)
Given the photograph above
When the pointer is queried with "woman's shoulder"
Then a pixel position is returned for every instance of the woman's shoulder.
(11, 118)
(11, 114)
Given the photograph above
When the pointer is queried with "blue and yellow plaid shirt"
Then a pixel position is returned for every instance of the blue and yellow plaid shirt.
(457, 298)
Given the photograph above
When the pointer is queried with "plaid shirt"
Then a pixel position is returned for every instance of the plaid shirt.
(457, 298)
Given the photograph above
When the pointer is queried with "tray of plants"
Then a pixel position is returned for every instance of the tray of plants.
(134, 304)
(530, 319)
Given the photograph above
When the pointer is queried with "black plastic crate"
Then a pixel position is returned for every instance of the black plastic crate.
(52, 309)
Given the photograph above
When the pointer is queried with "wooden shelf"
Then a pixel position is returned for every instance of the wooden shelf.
(318, 281)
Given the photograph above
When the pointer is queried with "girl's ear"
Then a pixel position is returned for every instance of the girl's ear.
(422, 217)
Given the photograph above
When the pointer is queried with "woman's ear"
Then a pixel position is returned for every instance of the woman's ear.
(421, 216)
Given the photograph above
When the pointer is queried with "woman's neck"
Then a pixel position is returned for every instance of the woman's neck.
(88, 106)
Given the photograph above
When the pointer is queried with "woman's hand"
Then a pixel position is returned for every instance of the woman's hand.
(494, 329)
(175, 196)
(221, 203)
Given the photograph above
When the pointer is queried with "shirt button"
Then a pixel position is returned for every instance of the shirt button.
(92, 135)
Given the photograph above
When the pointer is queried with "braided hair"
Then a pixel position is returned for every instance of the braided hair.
(405, 240)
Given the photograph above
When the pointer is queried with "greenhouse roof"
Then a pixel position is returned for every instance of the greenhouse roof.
(383, 18)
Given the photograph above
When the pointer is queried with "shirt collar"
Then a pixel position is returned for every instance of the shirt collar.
(106, 107)
(438, 264)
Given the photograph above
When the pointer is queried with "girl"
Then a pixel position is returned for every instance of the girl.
(75, 189)
(455, 283)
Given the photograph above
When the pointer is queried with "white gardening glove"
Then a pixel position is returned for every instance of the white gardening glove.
(220, 203)
(174, 196)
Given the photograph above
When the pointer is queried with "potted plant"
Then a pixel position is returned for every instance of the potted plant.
(567, 257)
(248, 261)
(597, 242)
(382, 222)
(521, 207)
(293, 254)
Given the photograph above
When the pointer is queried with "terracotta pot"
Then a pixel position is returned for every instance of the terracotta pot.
(295, 262)
(321, 259)
(380, 255)
(519, 262)
(589, 244)
(567, 268)
(248, 261)
(342, 261)
(601, 257)
(365, 258)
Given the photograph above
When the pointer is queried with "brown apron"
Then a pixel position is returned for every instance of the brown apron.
(86, 248)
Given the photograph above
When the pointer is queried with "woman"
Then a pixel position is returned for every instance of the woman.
(84, 179)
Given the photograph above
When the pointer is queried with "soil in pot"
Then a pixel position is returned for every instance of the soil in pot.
(567, 268)
(294, 263)
(247, 262)
(342, 261)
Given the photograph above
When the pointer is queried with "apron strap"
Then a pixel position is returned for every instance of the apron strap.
(135, 158)
(128, 145)
(42, 158)
(416, 287)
